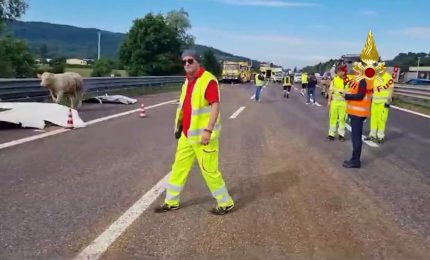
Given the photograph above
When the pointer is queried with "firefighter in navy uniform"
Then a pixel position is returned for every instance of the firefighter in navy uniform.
(286, 84)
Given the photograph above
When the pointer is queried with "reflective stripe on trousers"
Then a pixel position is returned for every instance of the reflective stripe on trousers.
(172, 192)
(207, 156)
(221, 195)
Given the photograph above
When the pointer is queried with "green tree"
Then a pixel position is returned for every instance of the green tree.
(43, 53)
(295, 70)
(102, 68)
(210, 63)
(16, 60)
(180, 22)
(58, 65)
(11, 9)
(151, 47)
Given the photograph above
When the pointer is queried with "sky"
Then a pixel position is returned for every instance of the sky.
(288, 33)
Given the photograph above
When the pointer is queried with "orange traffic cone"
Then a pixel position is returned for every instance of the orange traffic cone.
(70, 119)
(142, 111)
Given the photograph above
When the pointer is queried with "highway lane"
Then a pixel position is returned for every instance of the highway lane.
(293, 197)
(59, 191)
(87, 112)
(398, 171)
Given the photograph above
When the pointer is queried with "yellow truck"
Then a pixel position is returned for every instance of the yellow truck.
(236, 71)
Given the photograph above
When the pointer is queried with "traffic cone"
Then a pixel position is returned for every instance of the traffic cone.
(70, 120)
(142, 111)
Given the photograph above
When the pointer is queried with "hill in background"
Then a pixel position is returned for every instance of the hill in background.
(71, 41)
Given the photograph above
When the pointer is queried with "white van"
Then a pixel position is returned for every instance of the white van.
(297, 77)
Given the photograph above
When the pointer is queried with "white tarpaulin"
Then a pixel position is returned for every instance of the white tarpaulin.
(112, 99)
(32, 114)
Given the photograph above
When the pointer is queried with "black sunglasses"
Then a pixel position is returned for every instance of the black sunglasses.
(190, 61)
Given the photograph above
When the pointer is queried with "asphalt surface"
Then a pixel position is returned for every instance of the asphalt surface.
(294, 200)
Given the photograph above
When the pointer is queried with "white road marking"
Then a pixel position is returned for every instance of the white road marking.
(96, 249)
(410, 111)
(39, 131)
(235, 114)
(252, 97)
(369, 143)
(59, 131)
(126, 113)
(32, 138)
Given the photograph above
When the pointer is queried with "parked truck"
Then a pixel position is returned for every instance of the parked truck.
(236, 71)
(245, 71)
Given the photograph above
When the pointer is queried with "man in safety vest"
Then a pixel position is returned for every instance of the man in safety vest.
(287, 83)
(337, 105)
(381, 99)
(304, 82)
(360, 99)
(259, 83)
(197, 125)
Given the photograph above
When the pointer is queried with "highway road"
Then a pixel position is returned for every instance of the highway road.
(61, 196)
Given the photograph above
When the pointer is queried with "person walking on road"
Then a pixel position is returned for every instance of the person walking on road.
(259, 83)
(337, 105)
(197, 126)
(381, 100)
(287, 83)
(304, 82)
(312, 84)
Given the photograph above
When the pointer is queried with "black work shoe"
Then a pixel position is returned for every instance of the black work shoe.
(380, 140)
(370, 138)
(331, 138)
(349, 164)
(222, 210)
(164, 208)
(341, 138)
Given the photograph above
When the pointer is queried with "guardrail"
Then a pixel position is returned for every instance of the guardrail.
(420, 92)
(30, 89)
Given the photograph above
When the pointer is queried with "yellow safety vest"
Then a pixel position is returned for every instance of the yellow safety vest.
(258, 82)
(304, 78)
(201, 110)
(381, 92)
(287, 81)
(338, 86)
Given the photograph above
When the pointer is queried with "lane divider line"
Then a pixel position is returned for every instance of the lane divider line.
(410, 111)
(368, 142)
(97, 248)
(235, 114)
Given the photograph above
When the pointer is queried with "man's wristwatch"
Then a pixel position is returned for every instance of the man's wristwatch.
(208, 130)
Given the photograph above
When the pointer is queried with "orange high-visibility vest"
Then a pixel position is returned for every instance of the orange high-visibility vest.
(360, 107)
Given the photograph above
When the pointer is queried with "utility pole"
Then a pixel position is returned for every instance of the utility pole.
(98, 49)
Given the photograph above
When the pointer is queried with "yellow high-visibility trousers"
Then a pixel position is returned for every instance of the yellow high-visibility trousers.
(207, 157)
(337, 114)
(378, 120)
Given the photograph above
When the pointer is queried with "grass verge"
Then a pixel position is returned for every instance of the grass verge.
(421, 106)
